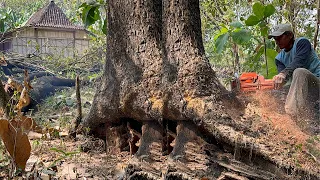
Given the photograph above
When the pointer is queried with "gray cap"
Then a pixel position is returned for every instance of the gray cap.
(279, 30)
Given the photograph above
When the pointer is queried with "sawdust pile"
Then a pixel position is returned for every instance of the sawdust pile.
(272, 112)
(302, 147)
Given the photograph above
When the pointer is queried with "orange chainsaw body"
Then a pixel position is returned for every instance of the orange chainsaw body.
(251, 81)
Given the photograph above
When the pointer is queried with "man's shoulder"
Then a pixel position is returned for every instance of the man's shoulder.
(303, 42)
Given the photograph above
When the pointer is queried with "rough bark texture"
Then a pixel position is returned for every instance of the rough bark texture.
(158, 87)
(156, 67)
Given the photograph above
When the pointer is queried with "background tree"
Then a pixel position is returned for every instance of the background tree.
(317, 24)
(217, 15)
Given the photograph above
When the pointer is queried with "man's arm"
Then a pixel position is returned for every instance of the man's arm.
(303, 50)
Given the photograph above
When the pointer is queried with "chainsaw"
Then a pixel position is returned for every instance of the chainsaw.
(251, 81)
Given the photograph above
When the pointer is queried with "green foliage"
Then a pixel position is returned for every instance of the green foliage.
(90, 13)
(269, 10)
(252, 20)
(221, 42)
(241, 36)
(63, 155)
(261, 12)
(298, 147)
(8, 19)
(94, 12)
(272, 68)
(236, 24)
(258, 10)
(259, 17)
(17, 12)
(105, 26)
(62, 99)
(235, 31)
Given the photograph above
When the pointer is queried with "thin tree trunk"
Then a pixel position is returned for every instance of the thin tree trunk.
(79, 109)
(265, 56)
(76, 123)
(4, 99)
(315, 38)
(236, 59)
(292, 9)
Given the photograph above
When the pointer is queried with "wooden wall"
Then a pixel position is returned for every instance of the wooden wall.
(49, 41)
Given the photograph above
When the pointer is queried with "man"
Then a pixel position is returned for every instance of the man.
(297, 61)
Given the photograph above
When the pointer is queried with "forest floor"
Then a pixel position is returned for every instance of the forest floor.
(55, 156)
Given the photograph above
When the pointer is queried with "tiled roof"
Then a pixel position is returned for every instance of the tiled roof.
(51, 16)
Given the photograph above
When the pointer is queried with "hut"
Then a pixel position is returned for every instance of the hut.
(47, 32)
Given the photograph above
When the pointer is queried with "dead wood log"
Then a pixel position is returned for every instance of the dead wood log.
(11, 66)
(43, 87)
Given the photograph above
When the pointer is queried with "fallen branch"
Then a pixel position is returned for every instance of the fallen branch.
(19, 63)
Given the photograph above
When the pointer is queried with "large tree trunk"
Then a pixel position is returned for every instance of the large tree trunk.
(155, 64)
(158, 89)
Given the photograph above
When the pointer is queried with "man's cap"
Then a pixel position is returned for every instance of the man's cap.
(279, 30)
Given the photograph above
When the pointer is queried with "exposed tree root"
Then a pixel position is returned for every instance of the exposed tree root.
(191, 157)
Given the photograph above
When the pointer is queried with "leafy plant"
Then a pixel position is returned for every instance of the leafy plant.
(63, 155)
(8, 19)
(17, 12)
(259, 17)
(14, 131)
(235, 31)
(237, 35)
(92, 12)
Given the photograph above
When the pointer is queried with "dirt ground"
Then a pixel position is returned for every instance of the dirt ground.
(55, 156)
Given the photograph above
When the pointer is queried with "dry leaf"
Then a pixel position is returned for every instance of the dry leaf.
(3, 61)
(26, 81)
(28, 123)
(16, 142)
(24, 99)
(14, 84)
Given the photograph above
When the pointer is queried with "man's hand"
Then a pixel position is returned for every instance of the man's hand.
(279, 80)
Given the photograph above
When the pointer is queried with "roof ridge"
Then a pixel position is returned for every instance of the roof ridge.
(51, 15)
(45, 10)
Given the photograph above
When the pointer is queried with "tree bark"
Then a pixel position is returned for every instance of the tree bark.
(159, 86)
(152, 60)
